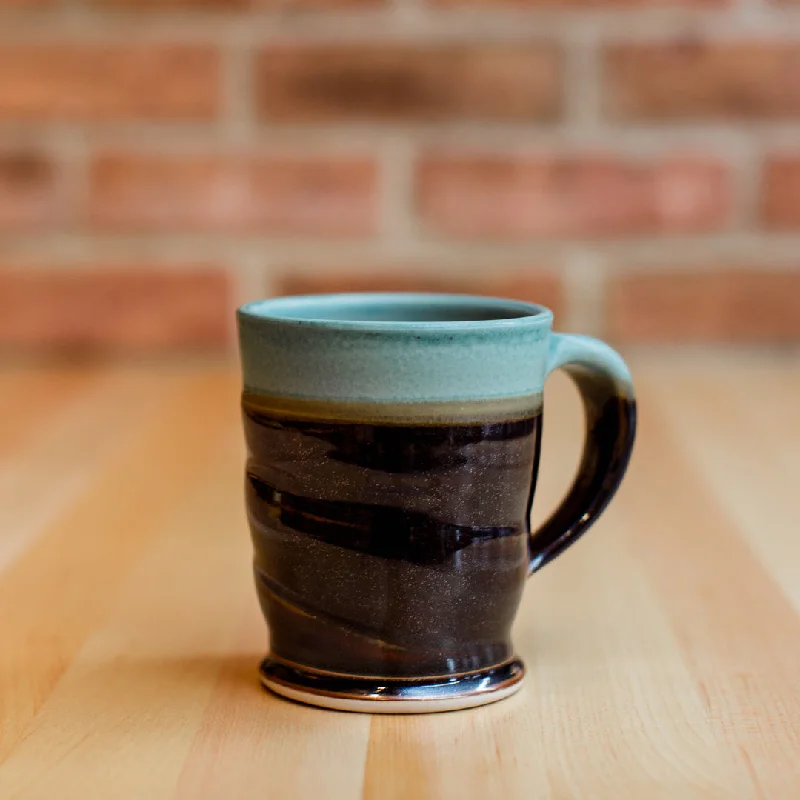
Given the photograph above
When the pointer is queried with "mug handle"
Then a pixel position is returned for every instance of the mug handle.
(606, 389)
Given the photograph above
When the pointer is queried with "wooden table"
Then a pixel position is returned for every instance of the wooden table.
(663, 650)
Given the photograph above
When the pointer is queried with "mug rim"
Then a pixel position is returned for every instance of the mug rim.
(289, 310)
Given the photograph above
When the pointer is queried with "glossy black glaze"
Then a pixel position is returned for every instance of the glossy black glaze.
(390, 550)
(610, 433)
(381, 689)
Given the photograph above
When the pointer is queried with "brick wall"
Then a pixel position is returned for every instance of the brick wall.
(635, 164)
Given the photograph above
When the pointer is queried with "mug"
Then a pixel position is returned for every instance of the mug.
(393, 447)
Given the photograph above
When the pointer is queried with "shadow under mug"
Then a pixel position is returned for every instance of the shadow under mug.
(393, 449)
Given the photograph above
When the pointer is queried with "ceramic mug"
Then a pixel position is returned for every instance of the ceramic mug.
(393, 448)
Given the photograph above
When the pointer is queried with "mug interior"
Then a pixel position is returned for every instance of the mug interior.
(393, 308)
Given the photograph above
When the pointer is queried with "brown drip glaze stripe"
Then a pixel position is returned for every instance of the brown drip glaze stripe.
(500, 409)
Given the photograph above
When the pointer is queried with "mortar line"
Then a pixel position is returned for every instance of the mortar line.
(755, 246)
(396, 201)
(584, 280)
(396, 23)
(634, 140)
(236, 123)
(582, 87)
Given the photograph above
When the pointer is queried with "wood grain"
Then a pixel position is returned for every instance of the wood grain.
(662, 651)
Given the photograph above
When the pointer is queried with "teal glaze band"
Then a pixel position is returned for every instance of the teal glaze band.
(593, 355)
(411, 348)
(399, 348)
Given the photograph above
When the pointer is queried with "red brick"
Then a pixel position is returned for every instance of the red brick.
(781, 192)
(582, 5)
(228, 5)
(171, 5)
(28, 191)
(87, 82)
(518, 197)
(536, 286)
(282, 195)
(703, 80)
(133, 308)
(396, 82)
(320, 5)
(712, 305)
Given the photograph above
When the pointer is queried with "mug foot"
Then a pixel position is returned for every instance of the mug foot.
(392, 695)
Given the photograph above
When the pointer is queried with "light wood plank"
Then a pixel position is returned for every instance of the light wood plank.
(29, 395)
(58, 590)
(662, 650)
(62, 435)
(745, 436)
(155, 661)
(253, 745)
(738, 634)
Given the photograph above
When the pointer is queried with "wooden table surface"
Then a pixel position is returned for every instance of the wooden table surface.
(663, 650)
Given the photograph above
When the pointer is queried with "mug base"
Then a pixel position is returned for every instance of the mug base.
(392, 695)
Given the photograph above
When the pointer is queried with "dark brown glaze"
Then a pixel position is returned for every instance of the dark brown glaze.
(390, 550)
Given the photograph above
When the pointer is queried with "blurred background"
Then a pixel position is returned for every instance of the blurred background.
(634, 164)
